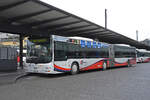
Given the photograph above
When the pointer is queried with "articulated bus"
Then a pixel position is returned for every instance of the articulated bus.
(57, 54)
(143, 56)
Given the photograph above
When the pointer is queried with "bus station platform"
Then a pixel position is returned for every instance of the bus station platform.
(11, 77)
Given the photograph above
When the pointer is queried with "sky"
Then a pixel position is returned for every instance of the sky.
(124, 16)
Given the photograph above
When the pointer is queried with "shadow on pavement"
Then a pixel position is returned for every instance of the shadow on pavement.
(66, 74)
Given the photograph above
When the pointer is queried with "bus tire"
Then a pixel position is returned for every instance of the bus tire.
(104, 66)
(74, 69)
(142, 61)
(129, 65)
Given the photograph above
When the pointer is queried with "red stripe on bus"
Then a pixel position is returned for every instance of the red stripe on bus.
(121, 64)
(97, 65)
(65, 69)
(146, 60)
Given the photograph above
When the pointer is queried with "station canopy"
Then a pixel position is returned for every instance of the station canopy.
(34, 17)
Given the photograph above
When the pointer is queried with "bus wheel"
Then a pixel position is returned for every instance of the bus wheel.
(129, 65)
(104, 66)
(74, 69)
(142, 61)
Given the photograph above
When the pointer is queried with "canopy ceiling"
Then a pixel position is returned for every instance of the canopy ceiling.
(34, 17)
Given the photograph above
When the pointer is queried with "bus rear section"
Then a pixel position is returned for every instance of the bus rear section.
(143, 56)
(124, 55)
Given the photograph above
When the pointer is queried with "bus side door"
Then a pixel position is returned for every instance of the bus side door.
(60, 56)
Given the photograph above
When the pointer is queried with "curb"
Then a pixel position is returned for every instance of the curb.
(11, 78)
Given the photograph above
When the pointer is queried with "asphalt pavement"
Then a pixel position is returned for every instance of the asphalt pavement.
(11, 76)
(127, 83)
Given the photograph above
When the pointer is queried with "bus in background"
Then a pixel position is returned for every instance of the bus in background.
(143, 56)
(57, 54)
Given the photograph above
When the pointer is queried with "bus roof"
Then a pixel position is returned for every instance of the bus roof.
(81, 38)
(143, 50)
(123, 45)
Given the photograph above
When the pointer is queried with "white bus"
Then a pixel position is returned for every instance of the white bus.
(143, 56)
(57, 54)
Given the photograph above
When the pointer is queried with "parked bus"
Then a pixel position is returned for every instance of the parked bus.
(143, 56)
(57, 54)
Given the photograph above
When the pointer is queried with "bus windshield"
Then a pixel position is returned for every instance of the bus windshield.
(39, 50)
